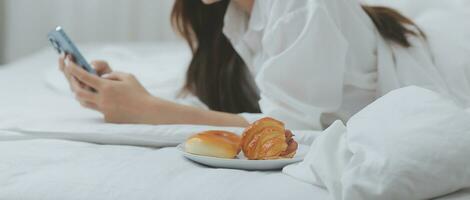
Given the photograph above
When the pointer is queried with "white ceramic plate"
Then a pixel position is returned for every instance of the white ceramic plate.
(242, 163)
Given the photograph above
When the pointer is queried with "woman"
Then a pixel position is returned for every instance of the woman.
(305, 62)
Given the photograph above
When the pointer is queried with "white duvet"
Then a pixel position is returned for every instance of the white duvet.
(410, 144)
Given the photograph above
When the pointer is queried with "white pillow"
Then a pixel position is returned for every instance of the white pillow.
(448, 35)
(410, 144)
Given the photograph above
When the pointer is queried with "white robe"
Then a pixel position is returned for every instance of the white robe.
(316, 61)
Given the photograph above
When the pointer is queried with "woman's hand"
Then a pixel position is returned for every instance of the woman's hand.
(101, 68)
(122, 99)
(118, 96)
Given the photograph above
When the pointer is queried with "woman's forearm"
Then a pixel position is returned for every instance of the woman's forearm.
(166, 112)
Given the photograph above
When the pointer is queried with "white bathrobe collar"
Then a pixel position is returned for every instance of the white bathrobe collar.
(244, 30)
(237, 22)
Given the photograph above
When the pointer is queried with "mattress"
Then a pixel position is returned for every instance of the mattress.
(44, 153)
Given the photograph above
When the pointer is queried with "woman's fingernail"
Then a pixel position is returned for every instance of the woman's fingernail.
(105, 76)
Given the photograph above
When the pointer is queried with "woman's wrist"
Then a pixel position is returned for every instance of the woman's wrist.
(154, 111)
(160, 111)
(216, 118)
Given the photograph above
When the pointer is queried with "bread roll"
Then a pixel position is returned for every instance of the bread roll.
(220, 144)
(267, 139)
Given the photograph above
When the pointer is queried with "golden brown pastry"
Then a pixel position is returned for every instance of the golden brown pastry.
(267, 139)
(220, 144)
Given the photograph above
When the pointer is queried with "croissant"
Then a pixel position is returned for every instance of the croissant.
(267, 139)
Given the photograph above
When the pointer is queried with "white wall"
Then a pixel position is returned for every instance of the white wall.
(27, 22)
(2, 31)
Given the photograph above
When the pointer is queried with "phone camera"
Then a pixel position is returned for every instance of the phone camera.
(55, 44)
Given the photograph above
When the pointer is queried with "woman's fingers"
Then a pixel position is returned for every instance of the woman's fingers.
(89, 105)
(62, 63)
(85, 95)
(117, 76)
(101, 67)
(83, 76)
(82, 92)
(74, 84)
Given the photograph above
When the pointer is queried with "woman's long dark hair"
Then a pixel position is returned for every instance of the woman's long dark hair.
(218, 76)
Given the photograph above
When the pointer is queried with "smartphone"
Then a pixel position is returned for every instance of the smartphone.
(63, 44)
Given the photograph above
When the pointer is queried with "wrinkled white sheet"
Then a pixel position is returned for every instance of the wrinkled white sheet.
(57, 170)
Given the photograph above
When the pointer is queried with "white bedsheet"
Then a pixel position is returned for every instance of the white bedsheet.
(36, 107)
(53, 169)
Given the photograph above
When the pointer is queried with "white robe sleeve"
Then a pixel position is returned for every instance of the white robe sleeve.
(303, 76)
